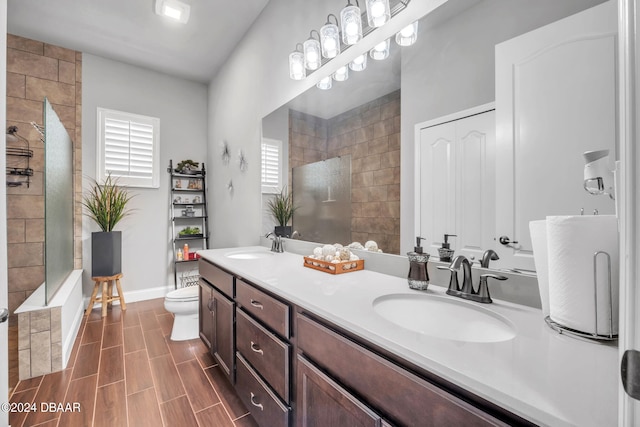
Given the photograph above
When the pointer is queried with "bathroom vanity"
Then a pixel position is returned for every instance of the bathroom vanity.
(303, 347)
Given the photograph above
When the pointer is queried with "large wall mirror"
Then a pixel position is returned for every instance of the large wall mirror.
(370, 116)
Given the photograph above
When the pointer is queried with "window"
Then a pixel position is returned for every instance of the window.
(271, 165)
(128, 148)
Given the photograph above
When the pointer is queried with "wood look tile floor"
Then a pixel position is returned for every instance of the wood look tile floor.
(125, 371)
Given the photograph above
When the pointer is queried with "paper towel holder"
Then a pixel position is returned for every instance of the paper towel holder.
(601, 337)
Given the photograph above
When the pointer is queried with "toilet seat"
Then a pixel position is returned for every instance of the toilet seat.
(189, 293)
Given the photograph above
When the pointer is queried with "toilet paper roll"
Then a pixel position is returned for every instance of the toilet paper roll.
(538, 231)
(572, 242)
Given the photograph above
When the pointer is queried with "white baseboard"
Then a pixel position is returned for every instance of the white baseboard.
(138, 295)
(71, 338)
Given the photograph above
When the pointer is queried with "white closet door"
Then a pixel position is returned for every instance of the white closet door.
(475, 216)
(555, 99)
(437, 184)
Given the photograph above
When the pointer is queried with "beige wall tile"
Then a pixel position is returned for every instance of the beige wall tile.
(59, 53)
(79, 67)
(40, 353)
(29, 64)
(24, 364)
(390, 109)
(16, 85)
(28, 45)
(390, 159)
(378, 193)
(394, 141)
(379, 145)
(359, 195)
(383, 128)
(24, 110)
(364, 179)
(15, 231)
(35, 230)
(56, 356)
(40, 321)
(383, 176)
(58, 93)
(25, 278)
(24, 331)
(67, 72)
(25, 254)
(35, 188)
(393, 192)
(15, 299)
(56, 324)
(25, 207)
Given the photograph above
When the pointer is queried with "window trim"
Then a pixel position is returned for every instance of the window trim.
(128, 181)
(272, 189)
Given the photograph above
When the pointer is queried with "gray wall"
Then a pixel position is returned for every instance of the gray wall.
(181, 106)
(451, 68)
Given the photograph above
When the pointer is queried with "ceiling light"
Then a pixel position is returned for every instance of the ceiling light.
(381, 50)
(359, 63)
(408, 35)
(378, 12)
(296, 64)
(341, 74)
(330, 38)
(325, 83)
(174, 9)
(311, 48)
(351, 23)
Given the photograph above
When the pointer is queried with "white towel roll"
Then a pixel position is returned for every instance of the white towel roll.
(538, 231)
(572, 242)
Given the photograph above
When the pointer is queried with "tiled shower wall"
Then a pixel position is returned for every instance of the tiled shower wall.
(370, 133)
(36, 70)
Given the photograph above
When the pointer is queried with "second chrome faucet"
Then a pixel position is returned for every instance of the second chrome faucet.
(467, 290)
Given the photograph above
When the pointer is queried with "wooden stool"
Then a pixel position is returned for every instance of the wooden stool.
(106, 297)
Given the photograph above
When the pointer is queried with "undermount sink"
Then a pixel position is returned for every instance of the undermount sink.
(255, 254)
(444, 317)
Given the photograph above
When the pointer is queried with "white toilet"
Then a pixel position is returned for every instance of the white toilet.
(183, 303)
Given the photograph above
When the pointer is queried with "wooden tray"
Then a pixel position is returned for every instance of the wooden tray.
(334, 268)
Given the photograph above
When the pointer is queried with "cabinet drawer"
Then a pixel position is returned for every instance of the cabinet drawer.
(267, 353)
(264, 405)
(217, 277)
(406, 398)
(267, 309)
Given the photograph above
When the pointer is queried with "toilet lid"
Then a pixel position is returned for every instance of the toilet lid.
(188, 293)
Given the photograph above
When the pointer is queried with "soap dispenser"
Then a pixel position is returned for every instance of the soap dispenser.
(418, 276)
(445, 252)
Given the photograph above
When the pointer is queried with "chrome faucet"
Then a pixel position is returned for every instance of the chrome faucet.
(467, 291)
(488, 255)
(276, 243)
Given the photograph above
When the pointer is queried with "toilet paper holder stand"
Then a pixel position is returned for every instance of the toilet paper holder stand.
(594, 336)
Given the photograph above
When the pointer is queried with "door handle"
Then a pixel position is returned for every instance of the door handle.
(4, 315)
(506, 241)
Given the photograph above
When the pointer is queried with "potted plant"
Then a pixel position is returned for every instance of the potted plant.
(188, 167)
(106, 204)
(282, 209)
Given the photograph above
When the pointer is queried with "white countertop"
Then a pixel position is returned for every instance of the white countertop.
(540, 375)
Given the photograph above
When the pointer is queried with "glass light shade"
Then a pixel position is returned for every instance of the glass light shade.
(330, 40)
(325, 83)
(408, 35)
(312, 56)
(296, 66)
(341, 74)
(380, 51)
(359, 63)
(351, 24)
(378, 12)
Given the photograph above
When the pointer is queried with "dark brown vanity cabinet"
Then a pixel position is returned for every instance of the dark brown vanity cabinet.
(217, 315)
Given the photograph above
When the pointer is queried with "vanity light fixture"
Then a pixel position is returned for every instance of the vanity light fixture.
(341, 74)
(330, 38)
(381, 50)
(297, 70)
(351, 23)
(408, 35)
(359, 63)
(325, 83)
(174, 9)
(311, 48)
(378, 12)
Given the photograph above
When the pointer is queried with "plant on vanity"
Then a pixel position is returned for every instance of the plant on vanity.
(106, 204)
(282, 209)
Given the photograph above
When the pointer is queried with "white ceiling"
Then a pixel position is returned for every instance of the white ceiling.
(130, 31)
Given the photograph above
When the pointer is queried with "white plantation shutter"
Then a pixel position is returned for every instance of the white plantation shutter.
(128, 148)
(271, 165)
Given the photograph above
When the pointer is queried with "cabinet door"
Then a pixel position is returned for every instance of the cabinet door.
(205, 315)
(555, 99)
(322, 402)
(223, 342)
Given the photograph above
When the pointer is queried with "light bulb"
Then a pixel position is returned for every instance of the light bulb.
(407, 31)
(359, 63)
(378, 12)
(408, 35)
(341, 74)
(330, 44)
(325, 83)
(352, 29)
(377, 9)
